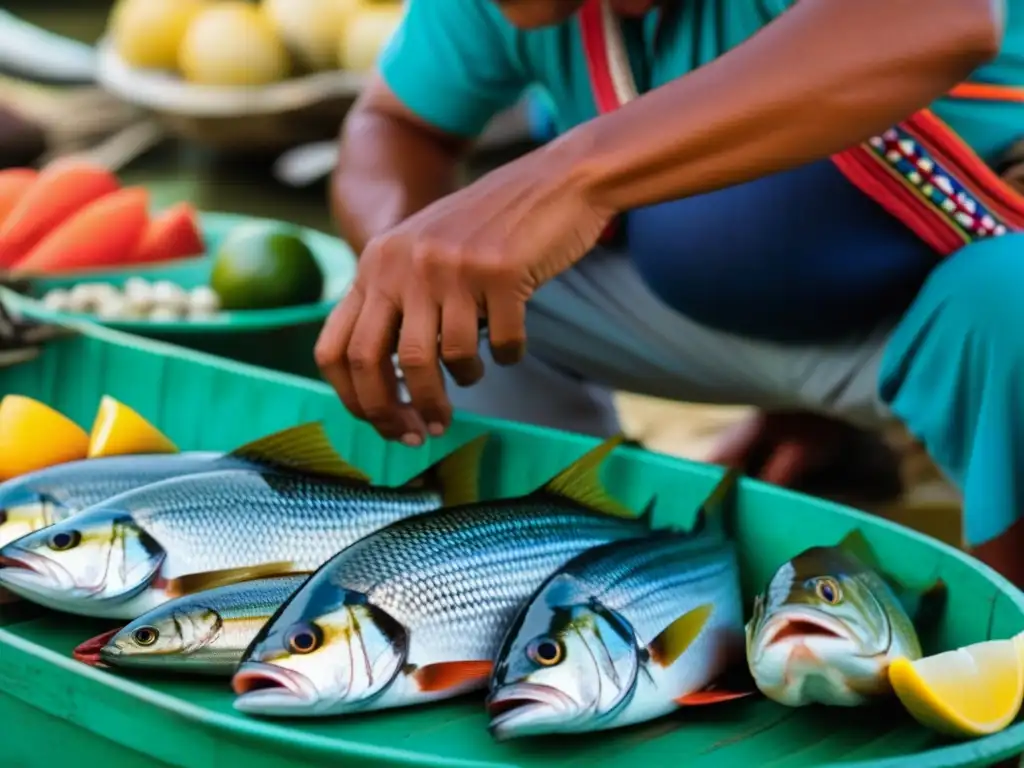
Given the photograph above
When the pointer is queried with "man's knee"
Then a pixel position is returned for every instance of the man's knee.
(980, 287)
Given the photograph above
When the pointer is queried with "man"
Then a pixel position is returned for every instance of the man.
(783, 222)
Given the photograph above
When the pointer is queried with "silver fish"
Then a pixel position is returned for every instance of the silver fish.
(624, 633)
(39, 499)
(140, 549)
(828, 625)
(415, 612)
(206, 633)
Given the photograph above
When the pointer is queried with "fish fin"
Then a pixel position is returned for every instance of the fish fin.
(452, 675)
(710, 696)
(200, 582)
(715, 510)
(924, 606)
(305, 448)
(857, 545)
(677, 636)
(457, 475)
(580, 482)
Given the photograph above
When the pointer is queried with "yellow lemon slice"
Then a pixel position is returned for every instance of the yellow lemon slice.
(119, 430)
(34, 436)
(972, 691)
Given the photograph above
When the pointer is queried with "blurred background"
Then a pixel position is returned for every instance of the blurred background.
(233, 106)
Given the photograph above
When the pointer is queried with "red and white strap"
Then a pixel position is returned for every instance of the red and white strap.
(611, 77)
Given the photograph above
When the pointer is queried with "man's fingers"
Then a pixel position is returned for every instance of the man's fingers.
(460, 339)
(506, 323)
(417, 354)
(332, 347)
(372, 372)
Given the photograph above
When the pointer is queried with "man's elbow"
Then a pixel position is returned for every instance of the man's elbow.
(979, 36)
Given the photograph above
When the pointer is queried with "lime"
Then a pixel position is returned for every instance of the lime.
(264, 266)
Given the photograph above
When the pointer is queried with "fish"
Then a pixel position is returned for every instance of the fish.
(204, 634)
(829, 623)
(625, 633)
(415, 612)
(39, 499)
(135, 551)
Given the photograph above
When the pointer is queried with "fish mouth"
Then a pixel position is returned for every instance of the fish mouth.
(788, 628)
(523, 708)
(21, 568)
(95, 651)
(267, 689)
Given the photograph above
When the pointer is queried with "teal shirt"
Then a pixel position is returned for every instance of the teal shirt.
(457, 63)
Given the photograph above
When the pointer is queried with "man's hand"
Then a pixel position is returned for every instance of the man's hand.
(423, 287)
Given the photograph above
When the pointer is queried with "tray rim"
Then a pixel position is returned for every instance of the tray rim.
(975, 752)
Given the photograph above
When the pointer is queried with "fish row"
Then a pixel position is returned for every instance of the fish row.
(282, 566)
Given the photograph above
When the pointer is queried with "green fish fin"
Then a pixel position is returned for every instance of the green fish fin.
(457, 475)
(715, 511)
(305, 449)
(677, 636)
(200, 582)
(924, 606)
(580, 482)
(453, 676)
(857, 545)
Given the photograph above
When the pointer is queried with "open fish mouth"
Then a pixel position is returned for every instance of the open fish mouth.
(788, 628)
(516, 708)
(92, 651)
(20, 568)
(260, 687)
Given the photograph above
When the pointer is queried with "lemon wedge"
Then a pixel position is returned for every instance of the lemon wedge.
(119, 430)
(972, 691)
(34, 436)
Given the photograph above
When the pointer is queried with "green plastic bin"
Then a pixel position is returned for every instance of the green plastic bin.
(53, 709)
(281, 339)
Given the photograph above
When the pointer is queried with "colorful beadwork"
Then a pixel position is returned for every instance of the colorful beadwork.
(905, 156)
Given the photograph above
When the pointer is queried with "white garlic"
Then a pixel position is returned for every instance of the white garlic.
(57, 300)
(84, 297)
(164, 314)
(139, 294)
(204, 300)
(167, 294)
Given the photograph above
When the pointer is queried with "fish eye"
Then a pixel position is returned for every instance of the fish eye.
(305, 638)
(828, 590)
(546, 651)
(64, 540)
(146, 635)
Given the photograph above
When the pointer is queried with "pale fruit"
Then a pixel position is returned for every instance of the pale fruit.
(311, 28)
(972, 691)
(366, 33)
(119, 430)
(34, 436)
(234, 44)
(148, 33)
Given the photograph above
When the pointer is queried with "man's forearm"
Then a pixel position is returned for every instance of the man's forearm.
(388, 169)
(824, 76)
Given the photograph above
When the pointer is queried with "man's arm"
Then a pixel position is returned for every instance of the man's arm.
(391, 165)
(824, 76)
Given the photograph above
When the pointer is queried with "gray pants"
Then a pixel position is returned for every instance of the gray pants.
(597, 329)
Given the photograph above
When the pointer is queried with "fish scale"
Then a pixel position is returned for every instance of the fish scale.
(654, 583)
(238, 518)
(455, 578)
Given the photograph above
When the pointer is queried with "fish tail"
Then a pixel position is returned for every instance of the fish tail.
(457, 476)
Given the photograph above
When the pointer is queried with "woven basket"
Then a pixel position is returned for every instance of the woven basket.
(236, 119)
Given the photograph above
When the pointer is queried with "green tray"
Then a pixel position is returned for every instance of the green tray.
(281, 339)
(52, 706)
